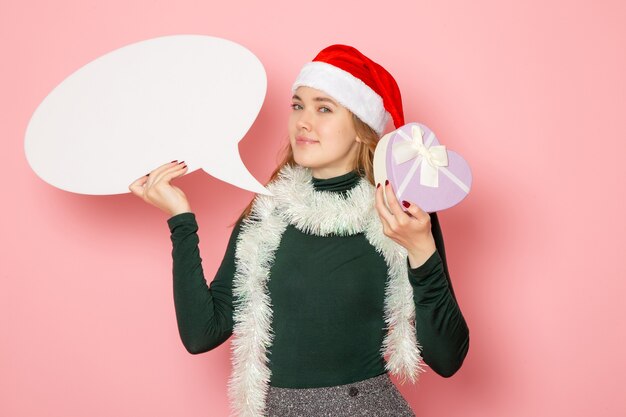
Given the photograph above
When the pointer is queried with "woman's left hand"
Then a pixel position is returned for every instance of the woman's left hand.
(410, 229)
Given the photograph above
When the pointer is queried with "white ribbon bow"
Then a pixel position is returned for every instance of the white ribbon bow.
(435, 156)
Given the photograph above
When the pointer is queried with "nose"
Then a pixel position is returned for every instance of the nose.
(304, 121)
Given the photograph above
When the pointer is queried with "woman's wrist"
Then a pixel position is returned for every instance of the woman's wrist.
(180, 211)
(419, 255)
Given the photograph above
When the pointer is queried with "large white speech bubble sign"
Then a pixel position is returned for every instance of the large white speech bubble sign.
(185, 97)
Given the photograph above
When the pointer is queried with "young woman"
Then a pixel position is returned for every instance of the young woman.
(324, 287)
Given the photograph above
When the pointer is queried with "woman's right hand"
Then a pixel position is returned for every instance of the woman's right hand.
(155, 188)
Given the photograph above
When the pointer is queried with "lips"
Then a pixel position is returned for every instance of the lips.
(303, 140)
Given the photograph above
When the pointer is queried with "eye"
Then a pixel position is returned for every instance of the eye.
(296, 106)
(325, 109)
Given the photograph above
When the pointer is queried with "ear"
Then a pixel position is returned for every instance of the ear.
(358, 139)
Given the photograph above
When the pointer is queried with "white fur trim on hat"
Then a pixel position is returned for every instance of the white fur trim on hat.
(348, 90)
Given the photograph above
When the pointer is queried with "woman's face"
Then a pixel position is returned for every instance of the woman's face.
(321, 132)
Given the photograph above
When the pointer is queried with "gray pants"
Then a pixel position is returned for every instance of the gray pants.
(376, 396)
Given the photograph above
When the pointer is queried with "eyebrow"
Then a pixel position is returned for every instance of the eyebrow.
(318, 99)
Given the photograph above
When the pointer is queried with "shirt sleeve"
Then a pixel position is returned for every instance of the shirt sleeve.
(204, 313)
(441, 328)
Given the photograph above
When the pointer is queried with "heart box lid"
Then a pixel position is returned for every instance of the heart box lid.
(420, 169)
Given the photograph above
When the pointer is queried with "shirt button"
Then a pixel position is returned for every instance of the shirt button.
(353, 391)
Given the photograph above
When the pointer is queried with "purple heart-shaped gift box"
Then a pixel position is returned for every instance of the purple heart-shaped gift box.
(421, 170)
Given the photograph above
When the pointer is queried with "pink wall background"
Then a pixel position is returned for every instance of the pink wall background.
(531, 93)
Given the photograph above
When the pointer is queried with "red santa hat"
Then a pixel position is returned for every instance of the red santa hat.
(356, 82)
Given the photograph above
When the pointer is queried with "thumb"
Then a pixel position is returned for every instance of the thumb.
(137, 186)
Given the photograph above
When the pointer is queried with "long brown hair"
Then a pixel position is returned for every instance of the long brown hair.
(363, 163)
